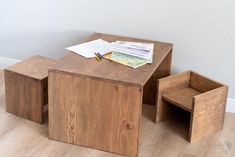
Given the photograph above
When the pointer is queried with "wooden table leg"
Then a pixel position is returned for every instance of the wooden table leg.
(100, 114)
(163, 70)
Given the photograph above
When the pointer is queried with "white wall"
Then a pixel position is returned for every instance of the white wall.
(203, 31)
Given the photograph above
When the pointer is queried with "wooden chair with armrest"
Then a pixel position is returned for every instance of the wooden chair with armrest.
(204, 98)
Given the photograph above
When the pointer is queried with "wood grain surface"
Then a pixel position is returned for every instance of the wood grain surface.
(203, 98)
(164, 109)
(33, 67)
(167, 139)
(26, 87)
(23, 96)
(208, 113)
(94, 113)
(163, 70)
(78, 65)
(182, 98)
(202, 83)
(109, 93)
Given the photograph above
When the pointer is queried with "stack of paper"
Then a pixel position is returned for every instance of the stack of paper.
(137, 49)
(133, 54)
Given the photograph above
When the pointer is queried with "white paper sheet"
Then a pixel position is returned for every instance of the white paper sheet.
(89, 49)
(142, 50)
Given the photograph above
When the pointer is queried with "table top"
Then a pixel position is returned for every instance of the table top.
(34, 67)
(75, 64)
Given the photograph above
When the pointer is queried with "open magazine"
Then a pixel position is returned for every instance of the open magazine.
(128, 60)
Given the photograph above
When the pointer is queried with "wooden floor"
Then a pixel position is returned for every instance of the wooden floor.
(23, 138)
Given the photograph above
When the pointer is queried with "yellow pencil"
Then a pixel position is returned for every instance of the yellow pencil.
(96, 56)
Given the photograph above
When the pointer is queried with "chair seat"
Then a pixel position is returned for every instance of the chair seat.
(203, 98)
(182, 98)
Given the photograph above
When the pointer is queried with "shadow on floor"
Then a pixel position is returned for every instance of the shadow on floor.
(179, 124)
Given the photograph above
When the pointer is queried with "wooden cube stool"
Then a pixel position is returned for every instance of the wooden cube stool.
(204, 98)
(26, 87)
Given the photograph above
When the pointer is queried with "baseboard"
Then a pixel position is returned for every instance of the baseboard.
(230, 105)
(5, 62)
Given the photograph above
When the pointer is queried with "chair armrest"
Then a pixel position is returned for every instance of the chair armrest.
(165, 85)
(208, 112)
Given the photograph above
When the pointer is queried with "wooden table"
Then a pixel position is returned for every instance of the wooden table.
(98, 104)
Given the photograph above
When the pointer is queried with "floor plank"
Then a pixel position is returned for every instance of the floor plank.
(167, 139)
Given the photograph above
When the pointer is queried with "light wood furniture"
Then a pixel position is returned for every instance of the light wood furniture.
(98, 104)
(204, 98)
(26, 87)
